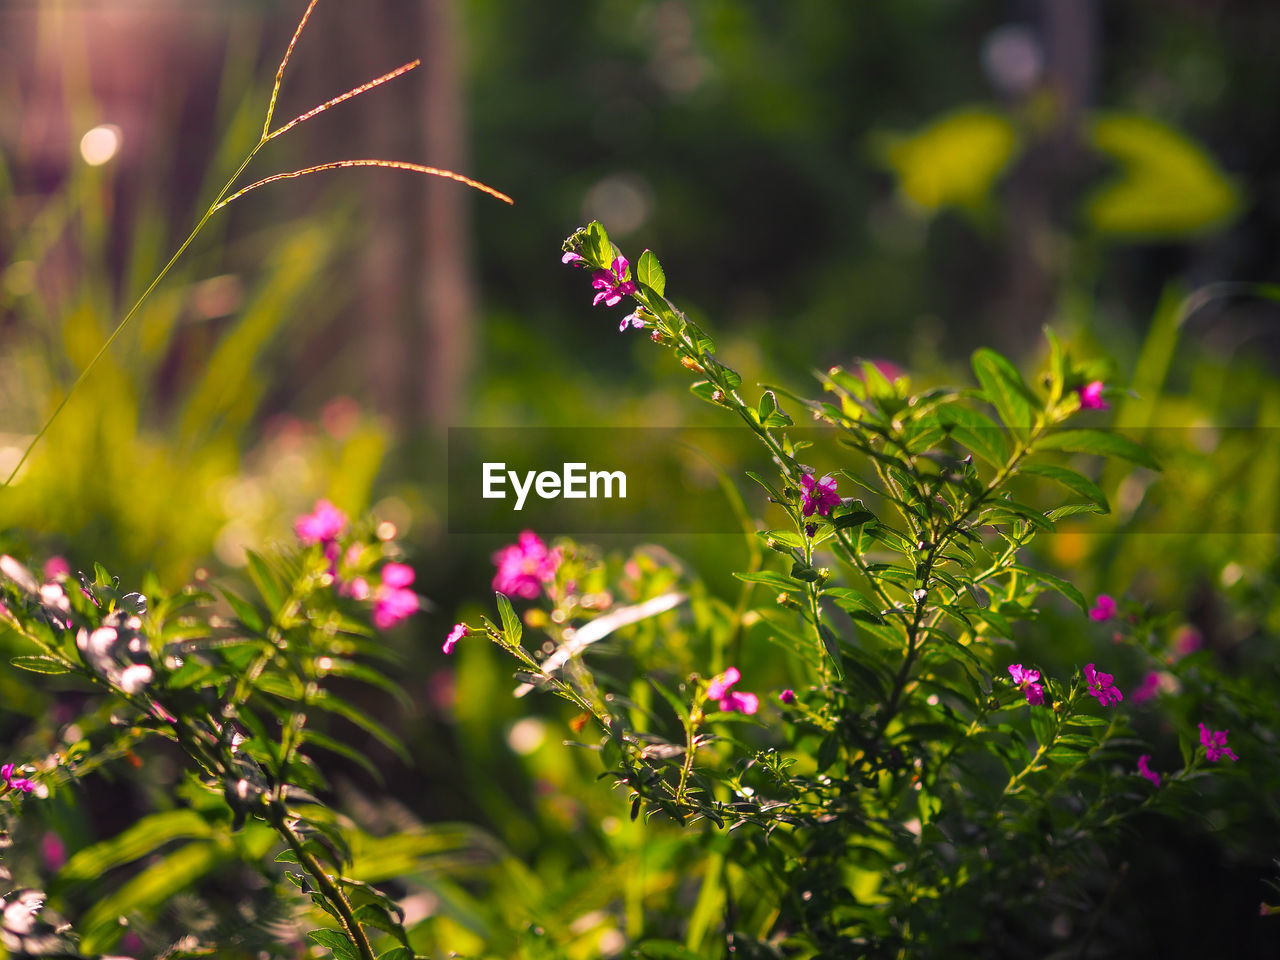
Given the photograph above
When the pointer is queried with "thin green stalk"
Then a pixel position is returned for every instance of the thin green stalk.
(328, 888)
(225, 197)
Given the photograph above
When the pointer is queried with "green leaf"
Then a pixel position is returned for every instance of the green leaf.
(1004, 387)
(975, 430)
(775, 580)
(147, 890)
(511, 625)
(954, 160)
(1057, 583)
(265, 581)
(1168, 185)
(1071, 510)
(853, 518)
(246, 611)
(706, 390)
(1070, 479)
(596, 246)
(327, 701)
(1064, 754)
(335, 941)
(1100, 442)
(773, 492)
(39, 664)
(649, 272)
(144, 837)
(785, 538)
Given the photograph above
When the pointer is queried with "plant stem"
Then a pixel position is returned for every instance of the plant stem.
(331, 891)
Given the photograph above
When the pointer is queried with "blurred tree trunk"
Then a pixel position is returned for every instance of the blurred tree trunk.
(380, 124)
(447, 292)
(1042, 191)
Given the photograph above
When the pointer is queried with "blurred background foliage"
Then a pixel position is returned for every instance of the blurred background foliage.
(901, 181)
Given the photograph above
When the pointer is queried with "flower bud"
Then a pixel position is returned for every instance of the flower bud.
(717, 396)
(691, 364)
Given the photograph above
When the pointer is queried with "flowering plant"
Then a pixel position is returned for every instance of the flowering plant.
(915, 793)
(240, 689)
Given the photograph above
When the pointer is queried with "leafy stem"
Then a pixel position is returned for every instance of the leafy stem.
(328, 888)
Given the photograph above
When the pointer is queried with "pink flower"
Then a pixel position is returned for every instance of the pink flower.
(53, 851)
(1104, 608)
(1149, 687)
(1145, 771)
(457, 633)
(612, 283)
(734, 702)
(1102, 686)
(392, 600)
(7, 781)
(56, 567)
(1215, 744)
(321, 526)
(787, 696)
(1028, 681)
(397, 575)
(819, 495)
(631, 319)
(721, 683)
(524, 566)
(573, 258)
(357, 588)
(731, 701)
(1091, 396)
(1187, 641)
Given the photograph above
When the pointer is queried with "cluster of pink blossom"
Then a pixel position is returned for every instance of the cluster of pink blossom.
(1091, 396)
(1102, 686)
(524, 566)
(393, 600)
(611, 285)
(1028, 682)
(9, 782)
(731, 701)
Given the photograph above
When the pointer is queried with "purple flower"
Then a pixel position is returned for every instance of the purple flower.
(1215, 744)
(734, 702)
(721, 683)
(56, 568)
(457, 633)
(1102, 686)
(524, 566)
(1091, 396)
(1187, 641)
(1147, 690)
(1104, 608)
(1145, 771)
(7, 781)
(787, 696)
(323, 525)
(392, 600)
(631, 319)
(819, 495)
(612, 283)
(731, 701)
(1028, 681)
(573, 258)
